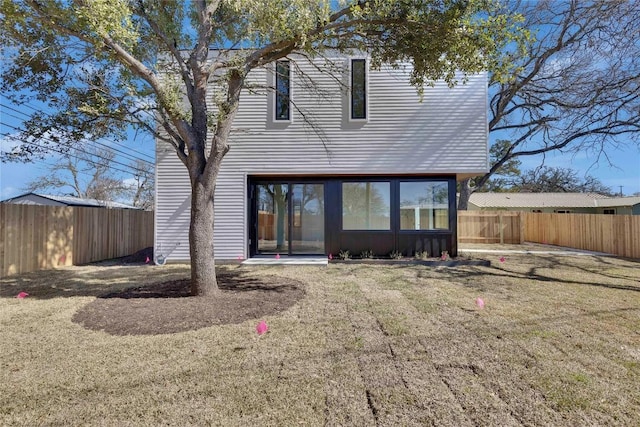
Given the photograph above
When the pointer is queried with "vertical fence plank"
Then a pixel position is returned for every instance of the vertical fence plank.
(613, 234)
(489, 227)
(43, 237)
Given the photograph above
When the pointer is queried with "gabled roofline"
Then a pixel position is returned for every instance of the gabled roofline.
(71, 201)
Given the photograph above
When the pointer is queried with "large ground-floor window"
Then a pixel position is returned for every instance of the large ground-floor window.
(366, 206)
(325, 215)
(424, 205)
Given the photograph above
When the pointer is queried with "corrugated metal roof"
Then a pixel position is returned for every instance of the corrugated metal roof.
(75, 201)
(618, 201)
(551, 200)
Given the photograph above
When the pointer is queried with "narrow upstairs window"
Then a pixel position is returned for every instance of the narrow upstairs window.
(358, 89)
(283, 90)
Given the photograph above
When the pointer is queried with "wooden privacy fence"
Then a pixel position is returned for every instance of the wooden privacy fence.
(612, 234)
(490, 227)
(42, 237)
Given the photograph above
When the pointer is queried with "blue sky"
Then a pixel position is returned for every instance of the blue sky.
(621, 167)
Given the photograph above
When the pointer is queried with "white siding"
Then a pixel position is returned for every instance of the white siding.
(445, 134)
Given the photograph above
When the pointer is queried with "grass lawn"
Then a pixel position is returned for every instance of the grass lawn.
(557, 343)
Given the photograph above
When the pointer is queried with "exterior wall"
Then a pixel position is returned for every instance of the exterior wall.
(620, 210)
(446, 134)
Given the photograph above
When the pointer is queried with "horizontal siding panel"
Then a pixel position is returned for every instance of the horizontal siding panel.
(446, 133)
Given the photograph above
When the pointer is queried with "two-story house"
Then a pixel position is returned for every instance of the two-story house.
(329, 162)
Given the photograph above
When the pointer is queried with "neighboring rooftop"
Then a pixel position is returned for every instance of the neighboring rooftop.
(550, 200)
(51, 200)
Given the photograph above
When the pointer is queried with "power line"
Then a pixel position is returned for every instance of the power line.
(26, 104)
(133, 168)
(67, 154)
(130, 156)
(48, 166)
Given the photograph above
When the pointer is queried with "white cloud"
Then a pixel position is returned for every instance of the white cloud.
(9, 142)
(130, 183)
(8, 192)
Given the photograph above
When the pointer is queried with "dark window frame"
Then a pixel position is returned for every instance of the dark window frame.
(394, 204)
(361, 89)
(382, 242)
(282, 99)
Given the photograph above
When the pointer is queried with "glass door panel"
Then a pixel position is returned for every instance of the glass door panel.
(273, 218)
(307, 219)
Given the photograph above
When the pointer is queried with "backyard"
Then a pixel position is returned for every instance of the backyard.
(556, 343)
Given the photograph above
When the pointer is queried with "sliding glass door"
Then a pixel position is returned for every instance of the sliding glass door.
(290, 218)
(307, 219)
(273, 214)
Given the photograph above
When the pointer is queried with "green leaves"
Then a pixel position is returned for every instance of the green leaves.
(106, 19)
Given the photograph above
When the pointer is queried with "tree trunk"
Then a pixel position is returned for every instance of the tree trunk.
(203, 173)
(465, 194)
(203, 267)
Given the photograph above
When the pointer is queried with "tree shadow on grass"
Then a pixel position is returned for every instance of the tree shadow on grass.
(227, 282)
(87, 281)
(598, 275)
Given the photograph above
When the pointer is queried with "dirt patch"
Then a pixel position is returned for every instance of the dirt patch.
(167, 307)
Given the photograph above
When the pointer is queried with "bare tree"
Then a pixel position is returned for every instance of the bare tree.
(547, 179)
(85, 173)
(142, 190)
(577, 87)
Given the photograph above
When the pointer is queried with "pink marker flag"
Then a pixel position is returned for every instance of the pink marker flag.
(480, 302)
(502, 259)
(330, 256)
(146, 261)
(277, 256)
(240, 258)
(22, 295)
(262, 327)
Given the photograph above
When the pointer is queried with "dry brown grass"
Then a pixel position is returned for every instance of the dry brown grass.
(557, 343)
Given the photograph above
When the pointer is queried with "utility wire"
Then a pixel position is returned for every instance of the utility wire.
(47, 165)
(130, 156)
(66, 154)
(133, 168)
(107, 139)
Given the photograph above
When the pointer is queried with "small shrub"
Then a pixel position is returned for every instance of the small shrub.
(422, 255)
(344, 255)
(368, 254)
(395, 255)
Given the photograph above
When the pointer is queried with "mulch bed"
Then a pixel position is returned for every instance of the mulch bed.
(168, 307)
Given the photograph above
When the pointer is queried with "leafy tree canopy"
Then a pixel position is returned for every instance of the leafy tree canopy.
(96, 62)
